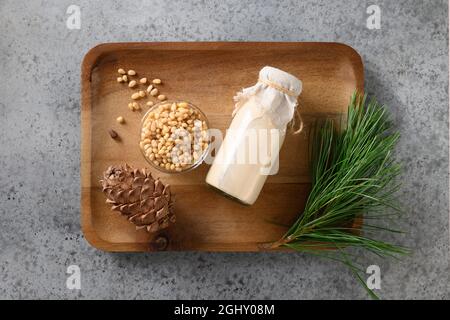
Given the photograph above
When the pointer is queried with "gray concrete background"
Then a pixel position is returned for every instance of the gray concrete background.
(406, 65)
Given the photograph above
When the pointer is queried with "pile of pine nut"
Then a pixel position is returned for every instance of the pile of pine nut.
(174, 136)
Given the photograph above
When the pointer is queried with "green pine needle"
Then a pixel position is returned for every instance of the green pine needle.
(353, 179)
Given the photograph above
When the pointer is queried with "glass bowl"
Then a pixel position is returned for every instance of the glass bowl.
(175, 132)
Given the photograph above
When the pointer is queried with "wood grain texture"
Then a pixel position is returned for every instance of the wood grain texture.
(207, 74)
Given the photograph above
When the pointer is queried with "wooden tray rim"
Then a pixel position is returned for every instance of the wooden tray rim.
(89, 62)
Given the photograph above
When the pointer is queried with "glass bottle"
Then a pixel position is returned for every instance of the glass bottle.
(250, 150)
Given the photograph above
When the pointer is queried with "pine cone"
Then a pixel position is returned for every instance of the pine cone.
(146, 202)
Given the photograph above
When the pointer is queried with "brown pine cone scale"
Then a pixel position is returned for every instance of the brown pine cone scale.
(145, 201)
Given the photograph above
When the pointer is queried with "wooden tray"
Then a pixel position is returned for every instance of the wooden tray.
(207, 74)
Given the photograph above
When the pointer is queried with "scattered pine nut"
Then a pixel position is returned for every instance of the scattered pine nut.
(136, 106)
(154, 92)
(151, 90)
(113, 134)
(133, 106)
(120, 119)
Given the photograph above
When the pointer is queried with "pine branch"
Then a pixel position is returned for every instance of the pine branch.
(353, 177)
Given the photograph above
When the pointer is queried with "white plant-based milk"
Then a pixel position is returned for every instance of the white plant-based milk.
(250, 150)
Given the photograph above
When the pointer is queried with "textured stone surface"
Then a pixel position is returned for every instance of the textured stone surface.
(406, 65)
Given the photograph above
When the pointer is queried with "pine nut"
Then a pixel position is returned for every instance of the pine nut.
(113, 134)
(119, 79)
(149, 88)
(131, 72)
(143, 80)
(120, 119)
(156, 81)
(162, 97)
(125, 78)
(121, 71)
(142, 94)
(135, 96)
(149, 103)
(132, 83)
(154, 92)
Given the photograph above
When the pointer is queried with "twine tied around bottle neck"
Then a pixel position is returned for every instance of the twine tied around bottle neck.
(278, 87)
(297, 117)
